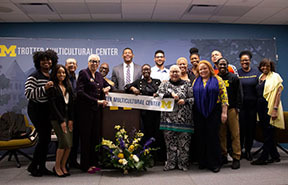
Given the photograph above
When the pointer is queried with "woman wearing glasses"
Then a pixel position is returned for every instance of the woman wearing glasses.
(91, 89)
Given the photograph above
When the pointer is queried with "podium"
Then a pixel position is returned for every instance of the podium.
(129, 118)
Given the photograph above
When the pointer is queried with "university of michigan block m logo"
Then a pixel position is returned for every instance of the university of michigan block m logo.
(166, 104)
(4, 51)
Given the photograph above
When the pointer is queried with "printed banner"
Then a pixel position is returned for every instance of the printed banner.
(140, 102)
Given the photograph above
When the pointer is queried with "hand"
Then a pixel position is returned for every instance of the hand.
(274, 114)
(106, 89)
(181, 102)
(155, 95)
(223, 118)
(135, 90)
(64, 128)
(48, 85)
(175, 96)
(104, 103)
(70, 125)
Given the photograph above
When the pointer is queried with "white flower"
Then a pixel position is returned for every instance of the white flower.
(136, 159)
(125, 161)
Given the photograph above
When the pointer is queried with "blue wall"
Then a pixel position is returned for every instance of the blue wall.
(159, 31)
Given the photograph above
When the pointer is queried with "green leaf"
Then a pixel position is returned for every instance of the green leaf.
(139, 165)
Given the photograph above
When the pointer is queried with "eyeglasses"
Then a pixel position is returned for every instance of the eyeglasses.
(95, 61)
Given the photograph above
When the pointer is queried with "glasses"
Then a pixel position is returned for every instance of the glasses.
(95, 61)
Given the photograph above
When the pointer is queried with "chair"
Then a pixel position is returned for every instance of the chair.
(13, 146)
(281, 135)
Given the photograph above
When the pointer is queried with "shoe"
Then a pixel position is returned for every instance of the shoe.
(249, 156)
(34, 171)
(45, 171)
(56, 174)
(224, 159)
(168, 167)
(93, 169)
(259, 162)
(276, 160)
(235, 164)
(183, 168)
(216, 170)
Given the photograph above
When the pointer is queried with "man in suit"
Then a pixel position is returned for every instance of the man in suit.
(126, 72)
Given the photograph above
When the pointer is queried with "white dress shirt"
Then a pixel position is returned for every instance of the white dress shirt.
(125, 66)
(159, 74)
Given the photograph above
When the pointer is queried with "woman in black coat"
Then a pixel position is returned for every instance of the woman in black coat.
(61, 107)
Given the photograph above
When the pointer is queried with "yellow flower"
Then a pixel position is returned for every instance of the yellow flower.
(120, 161)
(122, 131)
(146, 151)
(125, 161)
(120, 155)
(117, 127)
(140, 134)
(131, 148)
(125, 136)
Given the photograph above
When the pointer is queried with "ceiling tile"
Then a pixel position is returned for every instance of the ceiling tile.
(138, 8)
(251, 3)
(75, 16)
(105, 8)
(45, 18)
(280, 17)
(224, 19)
(262, 12)
(14, 9)
(66, 1)
(106, 16)
(195, 17)
(16, 18)
(138, 1)
(274, 3)
(70, 8)
(103, 1)
(29, 1)
(233, 10)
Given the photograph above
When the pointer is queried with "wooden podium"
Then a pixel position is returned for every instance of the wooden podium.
(130, 118)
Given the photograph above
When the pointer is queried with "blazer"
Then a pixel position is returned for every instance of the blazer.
(89, 89)
(118, 75)
(60, 111)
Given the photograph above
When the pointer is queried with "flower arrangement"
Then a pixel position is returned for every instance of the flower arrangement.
(127, 153)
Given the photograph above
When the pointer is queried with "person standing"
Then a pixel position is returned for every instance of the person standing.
(61, 107)
(159, 71)
(71, 67)
(235, 97)
(178, 124)
(211, 102)
(215, 56)
(104, 70)
(270, 110)
(194, 59)
(91, 90)
(36, 87)
(127, 72)
(247, 117)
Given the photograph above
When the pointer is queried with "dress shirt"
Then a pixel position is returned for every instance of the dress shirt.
(157, 73)
(125, 66)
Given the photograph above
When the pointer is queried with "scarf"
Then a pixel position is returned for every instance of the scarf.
(206, 98)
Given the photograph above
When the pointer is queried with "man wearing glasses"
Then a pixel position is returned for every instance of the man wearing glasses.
(159, 71)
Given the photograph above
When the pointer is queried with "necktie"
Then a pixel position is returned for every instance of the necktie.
(128, 74)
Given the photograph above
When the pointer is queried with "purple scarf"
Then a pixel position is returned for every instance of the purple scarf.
(206, 98)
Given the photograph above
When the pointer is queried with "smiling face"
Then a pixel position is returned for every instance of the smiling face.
(146, 71)
(93, 64)
(159, 59)
(174, 73)
(194, 59)
(265, 68)
(104, 69)
(183, 65)
(204, 71)
(71, 65)
(245, 62)
(128, 56)
(215, 55)
(223, 66)
(61, 74)
(45, 64)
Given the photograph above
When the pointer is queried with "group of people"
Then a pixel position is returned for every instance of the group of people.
(214, 112)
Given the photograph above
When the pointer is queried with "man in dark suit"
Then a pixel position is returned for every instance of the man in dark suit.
(126, 72)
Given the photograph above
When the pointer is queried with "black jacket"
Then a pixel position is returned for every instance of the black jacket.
(234, 90)
(59, 109)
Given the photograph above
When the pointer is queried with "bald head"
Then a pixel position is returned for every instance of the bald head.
(71, 65)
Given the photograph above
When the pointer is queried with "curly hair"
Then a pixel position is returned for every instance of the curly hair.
(45, 55)
(208, 64)
(245, 52)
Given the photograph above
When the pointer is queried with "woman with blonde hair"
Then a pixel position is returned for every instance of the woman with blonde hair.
(211, 102)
